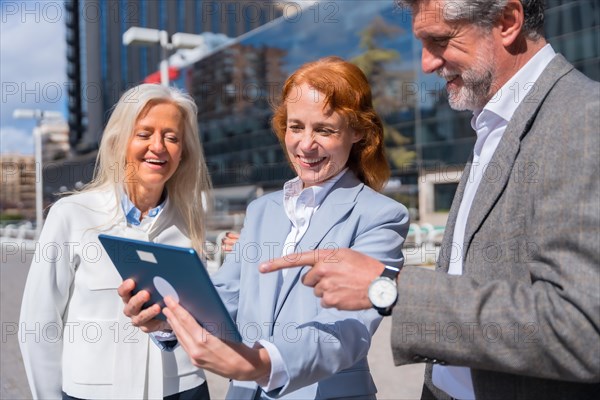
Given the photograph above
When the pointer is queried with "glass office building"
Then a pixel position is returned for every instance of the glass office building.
(573, 29)
(101, 67)
(236, 86)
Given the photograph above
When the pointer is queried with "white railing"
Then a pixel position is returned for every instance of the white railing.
(426, 233)
(22, 230)
(422, 245)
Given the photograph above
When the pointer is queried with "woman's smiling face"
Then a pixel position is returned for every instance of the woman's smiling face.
(155, 149)
(318, 140)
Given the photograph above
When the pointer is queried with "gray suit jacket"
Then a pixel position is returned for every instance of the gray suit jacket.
(525, 315)
(324, 350)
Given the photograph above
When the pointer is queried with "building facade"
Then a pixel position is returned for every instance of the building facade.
(55, 140)
(427, 143)
(17, 197)
(100, 68)
(235, 87)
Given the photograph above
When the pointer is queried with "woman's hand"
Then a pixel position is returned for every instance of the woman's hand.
(229, 241)
(230, 360)
(144, 319)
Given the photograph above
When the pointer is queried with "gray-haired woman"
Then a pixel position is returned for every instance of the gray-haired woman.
(149, 183)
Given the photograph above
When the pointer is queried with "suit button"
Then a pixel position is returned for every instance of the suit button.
(442, 362)
(435, 361)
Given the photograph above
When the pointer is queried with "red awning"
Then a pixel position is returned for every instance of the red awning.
(155, 76)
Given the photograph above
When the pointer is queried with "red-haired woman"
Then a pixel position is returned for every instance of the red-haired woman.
(293, 347)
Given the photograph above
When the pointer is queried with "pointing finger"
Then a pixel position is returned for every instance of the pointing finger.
(308, 258)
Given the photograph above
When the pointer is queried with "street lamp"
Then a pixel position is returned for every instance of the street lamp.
(149, 37)
(38, 116)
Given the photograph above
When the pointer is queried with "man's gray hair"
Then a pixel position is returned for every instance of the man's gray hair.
(485, 12)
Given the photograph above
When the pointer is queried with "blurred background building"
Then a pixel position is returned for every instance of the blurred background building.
(427, 142)
(55, 140)
(17, 197)
(100, 67)
(256, 46)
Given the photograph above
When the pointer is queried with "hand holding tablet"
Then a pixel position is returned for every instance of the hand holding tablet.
(177, 272)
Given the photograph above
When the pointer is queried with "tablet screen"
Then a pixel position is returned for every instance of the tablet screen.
(165, 270)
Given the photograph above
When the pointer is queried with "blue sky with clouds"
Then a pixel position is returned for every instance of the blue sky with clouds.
(32, 67)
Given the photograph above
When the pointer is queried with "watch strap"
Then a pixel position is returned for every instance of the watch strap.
(390, 272)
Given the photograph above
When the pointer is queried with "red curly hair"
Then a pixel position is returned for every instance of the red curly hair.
(347, 92)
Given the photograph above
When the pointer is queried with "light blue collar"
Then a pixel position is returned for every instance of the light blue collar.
(133, 214)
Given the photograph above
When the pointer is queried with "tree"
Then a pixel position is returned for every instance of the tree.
(374, 63)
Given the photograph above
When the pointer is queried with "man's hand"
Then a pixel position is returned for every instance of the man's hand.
(230, 360)
(341, 277)
(144, 319)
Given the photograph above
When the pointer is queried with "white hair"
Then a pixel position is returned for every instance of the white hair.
(189, 183)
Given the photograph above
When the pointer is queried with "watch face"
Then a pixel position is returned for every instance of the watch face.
(383, 292)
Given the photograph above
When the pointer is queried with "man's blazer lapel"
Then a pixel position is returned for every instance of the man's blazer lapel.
(446, 247)
(500, 168)
(338, 203)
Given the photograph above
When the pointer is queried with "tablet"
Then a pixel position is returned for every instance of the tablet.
(178, 272)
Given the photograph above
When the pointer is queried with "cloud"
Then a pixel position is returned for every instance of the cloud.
(15, 140)
(33, 58)
(33, 43)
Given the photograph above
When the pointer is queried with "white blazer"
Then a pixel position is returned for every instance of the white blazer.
(324, 350)
(73, 333)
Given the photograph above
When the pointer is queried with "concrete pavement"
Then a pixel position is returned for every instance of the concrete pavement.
(393, 383)
(13, 272)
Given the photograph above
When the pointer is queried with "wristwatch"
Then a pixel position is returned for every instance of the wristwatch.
(383, 292)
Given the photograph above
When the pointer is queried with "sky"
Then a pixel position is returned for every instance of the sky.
(32, 67)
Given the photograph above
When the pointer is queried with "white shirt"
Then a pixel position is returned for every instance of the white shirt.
(489, 124)
(300, 205)
(100, 368)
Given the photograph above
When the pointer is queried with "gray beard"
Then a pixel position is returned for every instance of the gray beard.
(475, 93)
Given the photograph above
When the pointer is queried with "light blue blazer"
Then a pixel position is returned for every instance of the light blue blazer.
(324, 350)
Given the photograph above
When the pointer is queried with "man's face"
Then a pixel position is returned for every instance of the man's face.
(460, 52)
